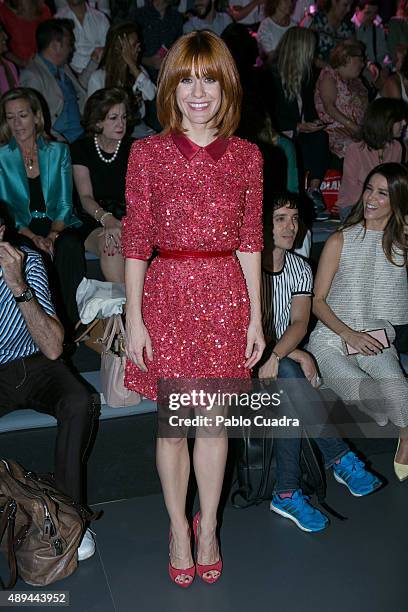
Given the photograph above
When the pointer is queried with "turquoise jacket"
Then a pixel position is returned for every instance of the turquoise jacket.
(56, 181)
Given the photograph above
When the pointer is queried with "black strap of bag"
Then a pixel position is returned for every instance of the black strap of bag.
(7, 529)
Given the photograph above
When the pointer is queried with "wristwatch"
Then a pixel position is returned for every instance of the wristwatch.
(26, 296)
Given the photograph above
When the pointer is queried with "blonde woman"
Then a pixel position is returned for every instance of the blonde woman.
(291, 82)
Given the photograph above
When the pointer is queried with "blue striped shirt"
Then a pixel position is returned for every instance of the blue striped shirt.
(15, 339)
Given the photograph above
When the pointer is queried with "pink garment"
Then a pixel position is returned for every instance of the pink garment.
(182, 197)
(4, 84)
(358, 162)
(351, 100)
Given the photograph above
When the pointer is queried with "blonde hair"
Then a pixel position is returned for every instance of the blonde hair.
(30, 96)
(294, 57)
(209, 56)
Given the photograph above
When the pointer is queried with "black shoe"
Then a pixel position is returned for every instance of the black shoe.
(321, 212)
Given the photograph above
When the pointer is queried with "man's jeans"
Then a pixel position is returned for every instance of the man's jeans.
(48, 386)
(287, 450)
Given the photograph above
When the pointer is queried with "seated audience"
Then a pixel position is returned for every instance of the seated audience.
(369, 33)
(20, 19)
(398, 28)
(249, 13)
(161, 25)
(302, 12)
(332, 25)
(290, 81)
(100, 164)
(383, 124)
(103, 5)
(287, 289)
(276, 22)
(396, 86)
(120, 67)
(361, 285)
(31, 373)
(36, 184)
(50, 74)
(206, 17)
(90, 28)
(8, 71)
(341, 98)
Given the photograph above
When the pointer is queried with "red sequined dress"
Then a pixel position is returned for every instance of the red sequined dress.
(183, 197)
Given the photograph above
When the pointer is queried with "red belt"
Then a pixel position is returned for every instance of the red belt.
(193, 254)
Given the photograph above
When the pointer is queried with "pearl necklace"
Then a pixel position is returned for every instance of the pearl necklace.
(99, 152)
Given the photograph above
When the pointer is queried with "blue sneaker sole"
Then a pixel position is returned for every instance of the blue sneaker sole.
(341, 481)
(294, 519)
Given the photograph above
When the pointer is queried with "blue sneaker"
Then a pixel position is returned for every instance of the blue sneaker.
(351, 472)
(298, 509)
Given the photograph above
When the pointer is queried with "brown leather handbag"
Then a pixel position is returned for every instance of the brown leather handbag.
(40, 527)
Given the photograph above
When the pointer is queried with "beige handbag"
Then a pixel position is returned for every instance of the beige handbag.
(113, 361)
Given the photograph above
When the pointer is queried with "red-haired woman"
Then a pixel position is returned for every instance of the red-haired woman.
(195, 193)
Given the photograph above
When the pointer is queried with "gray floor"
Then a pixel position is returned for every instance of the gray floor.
(358, 565)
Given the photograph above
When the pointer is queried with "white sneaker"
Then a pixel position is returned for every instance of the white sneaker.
(87, 547)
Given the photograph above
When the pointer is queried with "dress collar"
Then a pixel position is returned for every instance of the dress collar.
(189, 149)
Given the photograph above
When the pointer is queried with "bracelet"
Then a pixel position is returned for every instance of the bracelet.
(96, 212)
(276, 356)
(103, 217)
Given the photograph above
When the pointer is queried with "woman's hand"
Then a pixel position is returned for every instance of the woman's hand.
(309, 368)
(363, 343)
(138, 340)
(308, 127)
(255, 344)
(44, 244)
(130, 55)
(269, 369)
(112, 231)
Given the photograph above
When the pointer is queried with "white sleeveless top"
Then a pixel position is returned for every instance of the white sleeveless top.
(367, 285)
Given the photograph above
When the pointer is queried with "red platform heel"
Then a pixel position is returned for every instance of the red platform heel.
(204, 569)
(176, 574)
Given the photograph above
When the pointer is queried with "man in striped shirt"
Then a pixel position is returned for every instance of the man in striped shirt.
(287, 289)
(31, 373)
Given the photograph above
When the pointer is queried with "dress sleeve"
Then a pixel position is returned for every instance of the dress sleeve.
(79, 156)
(137, 224)
(251, 232)
(64, 211)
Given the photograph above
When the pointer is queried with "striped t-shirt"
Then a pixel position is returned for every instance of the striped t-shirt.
(278, 288)
(15, 339)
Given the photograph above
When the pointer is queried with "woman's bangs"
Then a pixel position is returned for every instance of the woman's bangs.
(200, 60)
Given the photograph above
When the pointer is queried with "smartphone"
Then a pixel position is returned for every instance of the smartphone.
(378, 334)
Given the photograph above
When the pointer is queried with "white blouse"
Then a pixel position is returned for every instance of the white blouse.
(142, 85)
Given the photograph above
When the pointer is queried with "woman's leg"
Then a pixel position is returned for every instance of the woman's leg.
(173, 465)
(112, 266)
(210, 456)
(386, 370)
